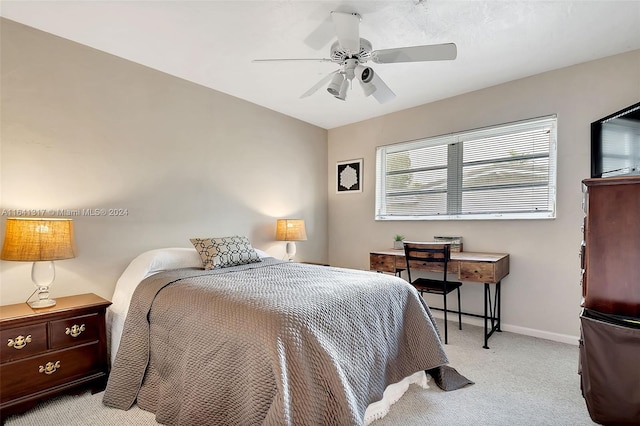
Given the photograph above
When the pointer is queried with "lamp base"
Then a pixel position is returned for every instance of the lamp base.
(291, 250)
(42, 303)
(42, 274)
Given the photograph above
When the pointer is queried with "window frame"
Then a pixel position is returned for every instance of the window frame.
(455, 172)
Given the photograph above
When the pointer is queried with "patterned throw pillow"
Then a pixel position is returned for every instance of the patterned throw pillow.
(224, 252)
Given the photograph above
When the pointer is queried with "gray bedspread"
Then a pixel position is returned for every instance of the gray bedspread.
(274, 343)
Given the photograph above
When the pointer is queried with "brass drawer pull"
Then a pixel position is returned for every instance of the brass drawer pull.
(49, 367)
(19, 342)
(75, 330)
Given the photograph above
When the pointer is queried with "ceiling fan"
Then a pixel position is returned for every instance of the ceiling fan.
(351, 52)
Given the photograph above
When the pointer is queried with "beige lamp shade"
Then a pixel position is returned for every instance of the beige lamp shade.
(33, 240)
(290, 230)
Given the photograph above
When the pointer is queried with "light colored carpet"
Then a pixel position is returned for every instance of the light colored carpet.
(519, 381)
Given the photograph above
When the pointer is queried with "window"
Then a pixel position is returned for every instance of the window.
(500, 172)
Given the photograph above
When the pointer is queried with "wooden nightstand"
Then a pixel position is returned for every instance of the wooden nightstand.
(46, 352)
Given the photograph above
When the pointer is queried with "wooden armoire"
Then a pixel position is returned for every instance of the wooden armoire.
(611, 248)
(609, 364)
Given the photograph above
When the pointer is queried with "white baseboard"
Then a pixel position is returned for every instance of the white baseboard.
(556, 337)
(541, 334)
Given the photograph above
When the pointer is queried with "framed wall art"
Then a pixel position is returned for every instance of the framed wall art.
(349, 176)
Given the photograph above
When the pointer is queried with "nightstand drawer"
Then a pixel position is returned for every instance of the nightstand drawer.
(21, 342)
(73, 331)
(28, 376)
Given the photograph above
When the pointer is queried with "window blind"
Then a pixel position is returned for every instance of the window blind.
(506, 171)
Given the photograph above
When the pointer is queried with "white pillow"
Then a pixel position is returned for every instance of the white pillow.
(261, 254)
(168, 259)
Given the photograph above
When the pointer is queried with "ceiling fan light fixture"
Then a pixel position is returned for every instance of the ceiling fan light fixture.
(336, 84)
(343, 90)
(368, 88)
(365, 74)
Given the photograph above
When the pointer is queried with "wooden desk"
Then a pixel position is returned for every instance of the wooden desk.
(487, 268)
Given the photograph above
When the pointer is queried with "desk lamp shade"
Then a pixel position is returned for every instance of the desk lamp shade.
(291, 230)
(40, 241)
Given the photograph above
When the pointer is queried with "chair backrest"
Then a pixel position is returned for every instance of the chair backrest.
(420, 255)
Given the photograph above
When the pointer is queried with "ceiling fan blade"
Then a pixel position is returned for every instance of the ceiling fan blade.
(382, 93)
(319, 84)
(321, 36)
(348, 30)
(430, 52)
(292, 60)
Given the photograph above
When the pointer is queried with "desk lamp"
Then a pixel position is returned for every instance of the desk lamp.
(40, 241)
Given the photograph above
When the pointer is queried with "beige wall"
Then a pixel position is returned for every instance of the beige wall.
(82, 129)
(541, 296)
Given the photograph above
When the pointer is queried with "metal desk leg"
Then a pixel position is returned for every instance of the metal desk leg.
(491, 312)
(498, 297)
(487, 302)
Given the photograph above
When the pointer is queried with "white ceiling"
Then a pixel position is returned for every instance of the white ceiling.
(212, 43)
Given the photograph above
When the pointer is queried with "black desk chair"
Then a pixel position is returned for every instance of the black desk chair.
(418, 255)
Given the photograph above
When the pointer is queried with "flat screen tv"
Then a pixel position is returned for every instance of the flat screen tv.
(615, 144)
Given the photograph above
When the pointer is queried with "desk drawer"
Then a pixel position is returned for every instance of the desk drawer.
(477, 271)
(417, 265)
(382, 263)
(21, 342)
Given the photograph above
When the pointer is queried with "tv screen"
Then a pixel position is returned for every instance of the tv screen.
(615, 144)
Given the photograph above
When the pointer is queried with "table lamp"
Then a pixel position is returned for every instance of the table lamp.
(290, 230)
(40, 241)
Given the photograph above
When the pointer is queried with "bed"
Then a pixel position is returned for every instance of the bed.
(269, 342)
